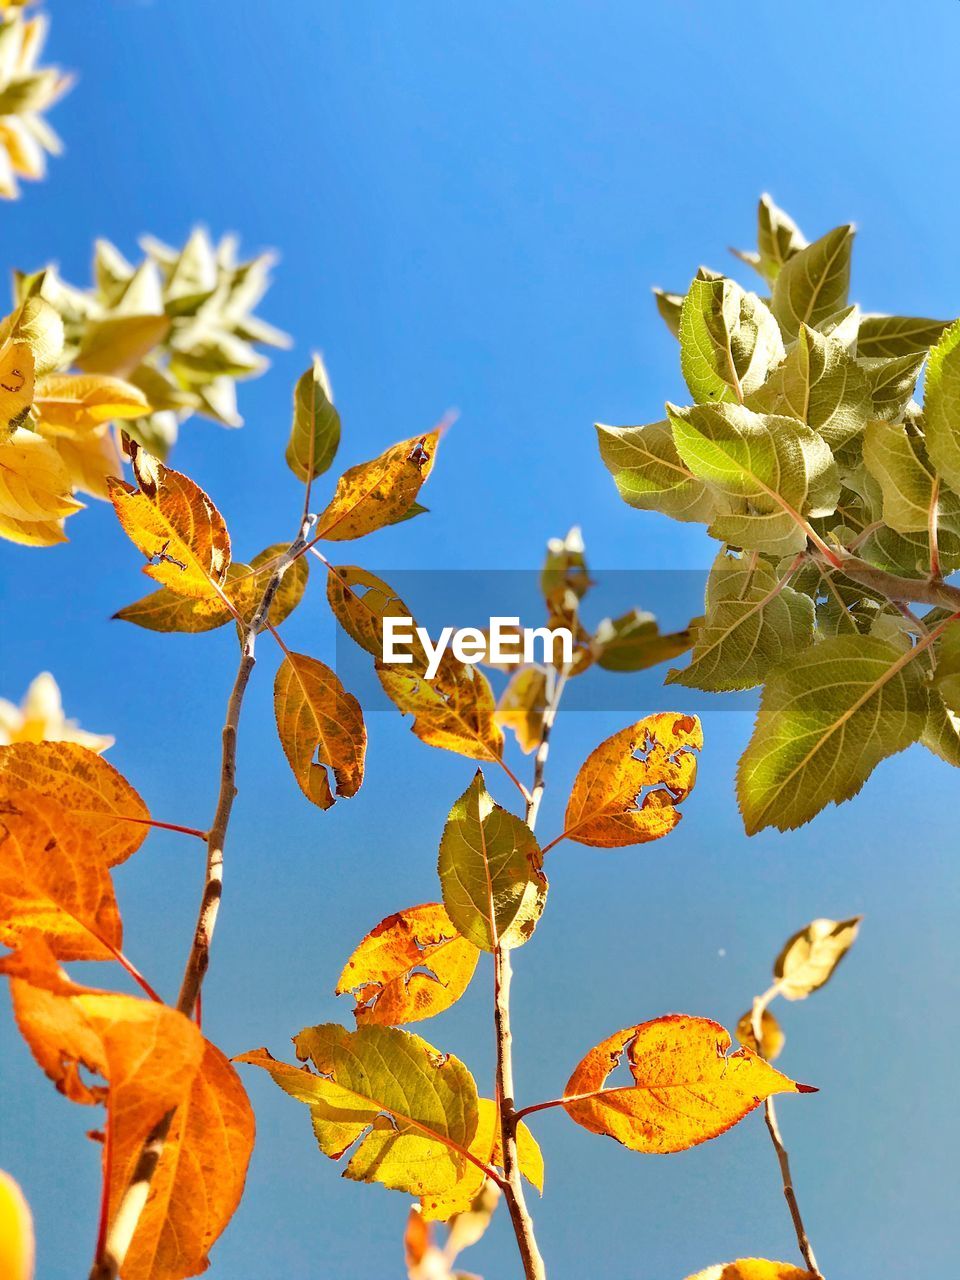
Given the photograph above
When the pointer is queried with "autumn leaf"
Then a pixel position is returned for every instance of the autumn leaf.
(117, 344)
(634, 642)
(809, 958)
(491, 871)
(360, 601)
(199, 1179)
(686, 1087)
(16, 1232)
(628, 790)
(40, 718)
(173, 522)
(413, 965)
(17, 374)
(379, 492)
(34, 481)
(410, 1110)
(455, 711)
(772, 1038)
(753, 1269)
(320, 727)
(315, 433)
(92, 460)
(54, 881)
(86, 786)
(486, 1147)
(522, 704)
(70, 403)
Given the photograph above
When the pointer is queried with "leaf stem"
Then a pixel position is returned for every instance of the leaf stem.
(773, 1128)
(111, 1255)
(894, 587)
(933, 530)
(163, 826)
(135, 974)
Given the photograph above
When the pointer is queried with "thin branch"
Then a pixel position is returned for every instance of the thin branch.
(907, 590)
(773, 1128)
(134, 973)
(120, 1234)
(163, 826)
(933, 529)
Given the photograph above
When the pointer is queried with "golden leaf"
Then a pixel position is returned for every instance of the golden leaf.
(628, 789)
(753, 1269)
(522, 705)
(809, 958)
(686, 1088)
(92, 459)
(85, 785)
(455, 711)
(66, 403)
(34, 481)
(772, 1038)
(320, 727)
(360, 601)
(32, 533)
(413, 965)
(40, 718)
(16, 385)
(54, 881)
(16, 1232)
(379, 492)
(171, 520)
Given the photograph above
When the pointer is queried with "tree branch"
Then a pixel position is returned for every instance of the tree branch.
(915, 590)
(114, 1247)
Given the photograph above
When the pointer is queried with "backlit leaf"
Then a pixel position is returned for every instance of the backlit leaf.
(898, 335)
(772, 1038)
(320, 727)
(413, 965)
(72, 403)
(117, 344)
(941, 406)
(809, 958)
(491, 871)
(669, 305)
(85, 785)
(34, 481)
(826, 720)
(778, 238)
(378, 492)
(411, 1110)
(753, 1269)
(360, 601)
(16, 1232)
(634, 642)
(16, 385)
(522, 704)
(753, 622)
(54, 881)
(772, 470)
(813, 283)
(315, 433)
(686, 1087)
(173, 522)
(729, 341)
(892, 384)
(91, 458)
(629, 788)
(898, 462)
(455, 711)
(650, 473)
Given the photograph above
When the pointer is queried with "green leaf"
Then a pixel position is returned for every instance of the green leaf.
(491, 871)
(565, 568)
(941, 406)
(941, 733)
(892, 383)
(843, 326)
(778, 238)
(669, 305)
(813, 283)
(410, 1110)
(729, 341)
(947, 676)
(773, 471)
(315, 433)
(898, 335)
(898, 462)
(650, 475)
(826, 720)
(118, 344)
(820, 384)
(753, 622)
(633, 642)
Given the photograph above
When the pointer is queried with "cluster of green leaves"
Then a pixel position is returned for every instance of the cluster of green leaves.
(836, 498)
(179, 325)
(27, 90)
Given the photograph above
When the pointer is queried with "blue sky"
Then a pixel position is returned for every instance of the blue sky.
(471, 202)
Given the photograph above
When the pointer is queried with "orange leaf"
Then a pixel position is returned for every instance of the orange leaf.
(172, 521)
(753, 1269)
(83, 784)
(200, 1177)
(686, 1089)
(628, 789)
(412, 965)
(455, 711)
(378, 492)
(54, 881)
(16, 1232)
(317, 717)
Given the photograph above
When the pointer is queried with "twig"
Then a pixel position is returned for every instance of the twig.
(773, 1128)
(907, 590)
(120, 1234)
(933, 529)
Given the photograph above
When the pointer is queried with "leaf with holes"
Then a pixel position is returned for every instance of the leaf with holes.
(629, 788)
(321, 727)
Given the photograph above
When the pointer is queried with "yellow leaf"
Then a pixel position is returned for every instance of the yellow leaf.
(171, 520)
(16, 385)
(38, 325)
(54, 881)
(40, 718)
(117, 344)
(69, 402)
(455, 711)
(686, 1088)
(245, 589)
(628, 789)
(753, 1269)
(522, 705)
(809, 958)
(16, 1232)
(412, 965)
(772, 1038)
(92, 459)
(320, 727)
(360, 601)
(378, 492)
(32, 533)
(34, 482)
(83, 784)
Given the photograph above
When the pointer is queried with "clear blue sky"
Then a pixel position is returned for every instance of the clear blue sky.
(471, 202)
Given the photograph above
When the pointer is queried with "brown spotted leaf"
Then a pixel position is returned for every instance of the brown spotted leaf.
(321, 727)
(455, 710)
(380, 492)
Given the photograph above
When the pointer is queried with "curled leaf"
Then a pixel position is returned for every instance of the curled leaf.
(809, 958)
(413, 965)
(772, 1038)
(321, 727)
(628, 790)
